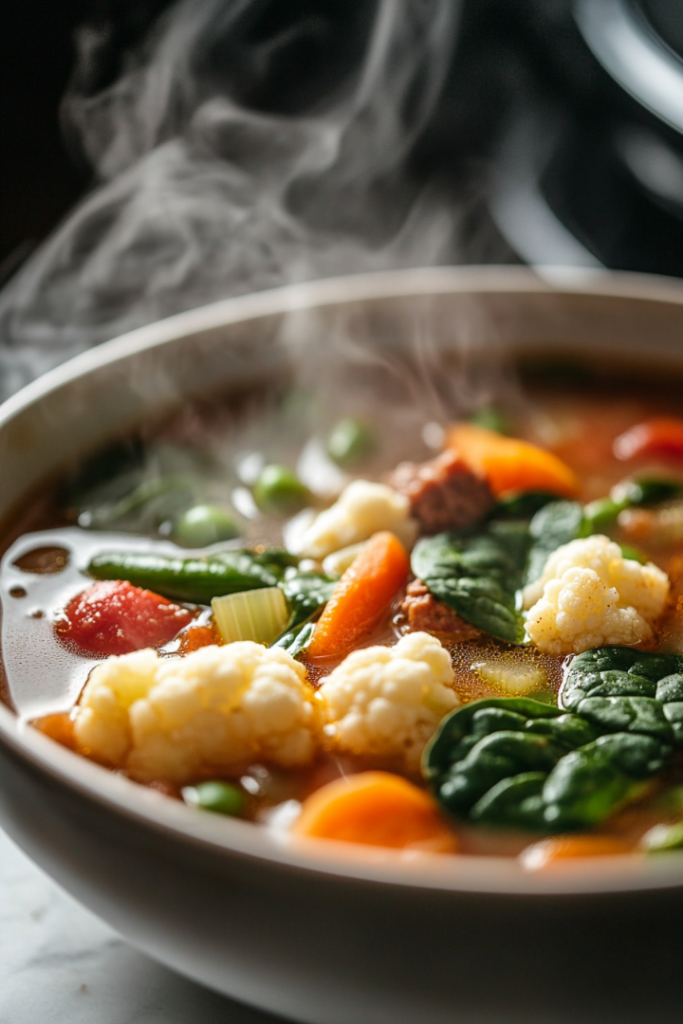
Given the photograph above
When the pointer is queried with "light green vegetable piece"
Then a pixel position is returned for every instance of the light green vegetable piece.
(258, 615)
(219, 797)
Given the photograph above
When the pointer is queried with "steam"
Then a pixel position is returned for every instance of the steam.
(201, 197)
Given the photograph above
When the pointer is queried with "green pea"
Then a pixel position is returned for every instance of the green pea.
(663, 838)
(204, 525)
(219, 797)
(350, 441)
(278, 489)
(492, 419)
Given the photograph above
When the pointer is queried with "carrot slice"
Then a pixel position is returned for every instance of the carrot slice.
(548, 852)
(510, 464)
(199, 636)
(59, 727)
(362, 596)
(376, 809)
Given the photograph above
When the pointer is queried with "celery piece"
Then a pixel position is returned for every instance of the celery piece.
(259, 615)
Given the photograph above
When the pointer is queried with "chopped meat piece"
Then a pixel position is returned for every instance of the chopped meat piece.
(444, 493)
(425, 612)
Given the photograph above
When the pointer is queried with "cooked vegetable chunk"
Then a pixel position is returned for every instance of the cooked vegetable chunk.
(515, 678)
(515, 762)
(362, 597)
(387, 701)
(444, 493)
(510, 464)
(590, 594)
(376, 809)
(213, 711)
(362, 509)
(259, 615)
(113, 617)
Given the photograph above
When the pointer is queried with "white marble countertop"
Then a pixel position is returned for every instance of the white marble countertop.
(60, 965)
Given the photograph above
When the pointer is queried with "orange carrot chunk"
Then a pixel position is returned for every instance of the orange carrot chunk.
(199, 636)
(510, 464)
(376, 809)
(552, 852)
(362, 597)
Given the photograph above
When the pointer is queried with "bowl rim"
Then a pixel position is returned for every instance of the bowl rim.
(343, 862)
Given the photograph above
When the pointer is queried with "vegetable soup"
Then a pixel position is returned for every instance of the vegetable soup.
(477, 649)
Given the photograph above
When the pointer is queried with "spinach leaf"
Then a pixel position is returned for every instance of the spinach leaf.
(624, 690)
(478, 575)
(515, 762)
(306, 593)
(294, 641)
(554, 525)
(522, 504)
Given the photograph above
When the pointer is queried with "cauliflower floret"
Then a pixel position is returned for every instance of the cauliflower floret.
(362, 509)
(213, 710)
(590, 595)
(387, 701)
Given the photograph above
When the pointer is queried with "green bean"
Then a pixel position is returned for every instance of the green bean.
(603, 513)
(198, 580)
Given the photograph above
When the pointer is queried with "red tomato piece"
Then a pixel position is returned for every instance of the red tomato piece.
(114, 617)
(662, 437)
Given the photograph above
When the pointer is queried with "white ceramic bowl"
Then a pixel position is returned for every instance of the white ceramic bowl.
(338, 934)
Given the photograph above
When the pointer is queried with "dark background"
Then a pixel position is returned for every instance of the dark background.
(512, 55)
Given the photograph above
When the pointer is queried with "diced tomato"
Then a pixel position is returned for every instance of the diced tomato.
(662, 437)
(114, 617)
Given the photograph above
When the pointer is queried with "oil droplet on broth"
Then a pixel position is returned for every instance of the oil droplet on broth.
(43, 560)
